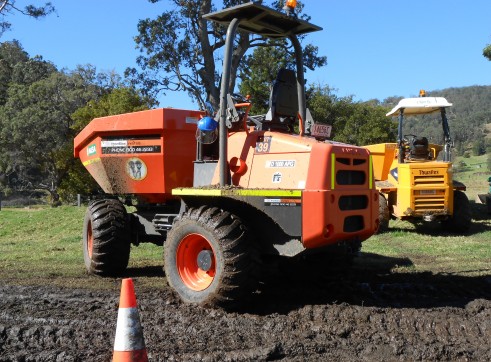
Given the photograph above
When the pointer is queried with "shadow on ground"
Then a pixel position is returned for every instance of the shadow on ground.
(154, 271)
(369, 281)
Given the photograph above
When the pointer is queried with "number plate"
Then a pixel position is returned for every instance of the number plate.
(263, 144)
(427, 192)
(321, 130)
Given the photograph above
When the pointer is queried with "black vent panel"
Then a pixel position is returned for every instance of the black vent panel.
(355, 202)
(353, 223)
(350, 177)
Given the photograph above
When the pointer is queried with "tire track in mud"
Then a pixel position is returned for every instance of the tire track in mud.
(341, 332)
(301, 311)
(62, 324)
(50, 324)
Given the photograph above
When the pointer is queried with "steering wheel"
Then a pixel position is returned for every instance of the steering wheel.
(239, 98)
(409, 138)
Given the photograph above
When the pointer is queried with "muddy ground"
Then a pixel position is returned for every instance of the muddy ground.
(302, 311)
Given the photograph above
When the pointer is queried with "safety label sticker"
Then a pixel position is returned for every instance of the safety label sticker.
(192, 120)
(136, 169)
(277, 177)
(92, 150)
(283, 202)
(131, 146)
(280, 163)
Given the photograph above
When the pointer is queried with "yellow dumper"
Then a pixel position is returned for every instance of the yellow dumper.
(414, 177)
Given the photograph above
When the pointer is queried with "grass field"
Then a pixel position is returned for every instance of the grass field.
(43, 246)
(474, 176)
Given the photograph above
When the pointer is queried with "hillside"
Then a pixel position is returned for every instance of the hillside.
(469, 118)
(487, 130)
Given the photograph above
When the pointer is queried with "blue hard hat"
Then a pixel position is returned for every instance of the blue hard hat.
(207, 124)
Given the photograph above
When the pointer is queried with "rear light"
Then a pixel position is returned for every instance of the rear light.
(328, 230)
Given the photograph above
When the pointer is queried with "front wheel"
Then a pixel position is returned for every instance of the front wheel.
(208, 257)
(106, 242)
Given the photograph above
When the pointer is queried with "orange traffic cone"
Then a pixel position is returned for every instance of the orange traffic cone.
(128, 343)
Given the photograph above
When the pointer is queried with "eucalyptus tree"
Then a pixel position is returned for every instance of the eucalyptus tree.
(181, 51)
(9, 7)
(37, 125)
(487, 51)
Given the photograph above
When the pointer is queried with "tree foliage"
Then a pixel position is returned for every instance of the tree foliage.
(367, 124)
(487, 52)
(263, 65)
(479, 146)
(37, 122)
(358, 123)
(118, 101)
(8, 7)
(17, 68)
(180, 51)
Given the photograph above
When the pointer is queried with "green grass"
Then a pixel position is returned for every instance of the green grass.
(42, 246)
(429, 249)
(474, 176)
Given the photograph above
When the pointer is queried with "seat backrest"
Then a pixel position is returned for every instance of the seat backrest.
(419, 148)
(283, 101)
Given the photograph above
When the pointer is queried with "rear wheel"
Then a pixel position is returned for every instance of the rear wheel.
(208, 257)
(383, 214)
(106, 242)
(461, 220)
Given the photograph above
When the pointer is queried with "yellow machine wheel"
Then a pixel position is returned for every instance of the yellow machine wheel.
(461, 220)
(383, 214)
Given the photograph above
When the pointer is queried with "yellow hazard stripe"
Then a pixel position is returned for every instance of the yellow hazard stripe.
(89, 162)
(235, 192)
(370, 172)
(333, 171)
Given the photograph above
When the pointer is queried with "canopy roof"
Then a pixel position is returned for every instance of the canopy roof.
(420, 105)
(262, 20)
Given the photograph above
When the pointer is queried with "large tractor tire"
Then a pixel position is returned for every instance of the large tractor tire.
(461, 220)
(106, 240)
(208, 258)
(383, 214)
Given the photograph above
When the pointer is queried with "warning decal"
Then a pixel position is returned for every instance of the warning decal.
(280, 163)
(130, 146)
(136, 169)
(283, 202)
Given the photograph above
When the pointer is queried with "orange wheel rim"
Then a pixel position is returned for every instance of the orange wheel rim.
(90, 239)
(191, 274)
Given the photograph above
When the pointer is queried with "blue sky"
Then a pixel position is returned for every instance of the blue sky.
(375, 48)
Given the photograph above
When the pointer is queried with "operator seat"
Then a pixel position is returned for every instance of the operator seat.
(283, 102)
(419, 149)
